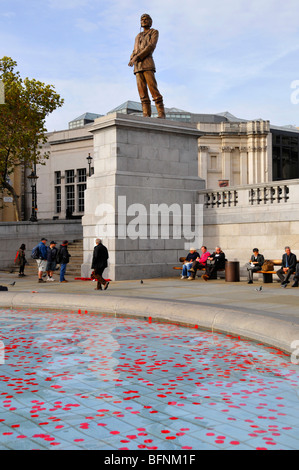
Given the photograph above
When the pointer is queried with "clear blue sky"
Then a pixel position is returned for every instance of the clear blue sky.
(212, 56)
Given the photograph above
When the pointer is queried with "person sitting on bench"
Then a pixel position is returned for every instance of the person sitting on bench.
(199, 263)
(289, 261)
(255, 264)
(191, 256)
(296, 277)
(218, 259)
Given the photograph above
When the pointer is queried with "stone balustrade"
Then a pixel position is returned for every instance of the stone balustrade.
(239, 218)
(251, 195)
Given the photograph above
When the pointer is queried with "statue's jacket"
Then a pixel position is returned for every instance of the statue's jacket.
(145, 44)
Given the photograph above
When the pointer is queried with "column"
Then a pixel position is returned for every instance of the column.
(243, 166)
(251, 161)
(227, 164)
(264, 160)
(203, 163)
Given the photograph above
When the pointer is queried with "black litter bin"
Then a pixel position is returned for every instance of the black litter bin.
(232, 271)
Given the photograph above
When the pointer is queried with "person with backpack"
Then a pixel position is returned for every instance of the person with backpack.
(63, 258)
(40, 253)
(20, 260)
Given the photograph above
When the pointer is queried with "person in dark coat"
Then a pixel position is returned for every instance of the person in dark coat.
(99, 264)
(51, 260)
(255, 264)
(20, 259)
(289, 261)
(63, 257)
(296, 277)
(218, 257)
(191, 256)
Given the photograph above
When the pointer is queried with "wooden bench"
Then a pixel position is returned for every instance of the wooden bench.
(201, 269)
(182, 260)
(268, 275)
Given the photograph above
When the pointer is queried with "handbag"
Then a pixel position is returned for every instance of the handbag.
(17, 258)
(268, 265)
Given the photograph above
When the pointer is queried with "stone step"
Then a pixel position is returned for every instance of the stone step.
(75, 249)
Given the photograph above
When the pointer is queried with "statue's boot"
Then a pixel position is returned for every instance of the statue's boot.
(146, 108)
(160, 108)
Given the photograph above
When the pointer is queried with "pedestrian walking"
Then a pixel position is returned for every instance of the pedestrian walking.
(99, 263)
(20, 260)
(63, 258)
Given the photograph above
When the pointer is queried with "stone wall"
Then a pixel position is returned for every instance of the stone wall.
(13, 234)
(263, 216)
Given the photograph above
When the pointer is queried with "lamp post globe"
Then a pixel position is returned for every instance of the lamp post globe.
(33, 179)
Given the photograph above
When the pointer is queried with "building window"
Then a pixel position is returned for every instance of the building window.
(213, 162)
(80, 191)
(58, 199)
(70, 176)
(285, 155)
(75, 124)
(70, 198)
(81, 175)
(57, 177)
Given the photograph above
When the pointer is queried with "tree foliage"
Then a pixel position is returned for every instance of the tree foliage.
(22, 121)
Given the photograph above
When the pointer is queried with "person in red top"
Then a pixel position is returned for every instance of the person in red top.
(199, 263)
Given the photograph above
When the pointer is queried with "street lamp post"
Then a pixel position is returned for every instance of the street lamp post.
(89, 158)
(33, 179)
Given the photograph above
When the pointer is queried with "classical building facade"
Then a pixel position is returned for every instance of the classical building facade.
(232, 152)
(247, 152)
(235, 153)
(62, 179)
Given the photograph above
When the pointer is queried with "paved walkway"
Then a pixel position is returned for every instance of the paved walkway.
(269, 315)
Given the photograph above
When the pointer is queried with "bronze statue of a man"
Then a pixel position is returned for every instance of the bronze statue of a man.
(144, 67)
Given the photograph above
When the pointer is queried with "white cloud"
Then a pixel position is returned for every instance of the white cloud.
(208, 56)
(95, 96)
(67, 4)
(86, 26)
(8, 14)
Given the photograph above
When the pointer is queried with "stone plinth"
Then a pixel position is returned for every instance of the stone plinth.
(144, 185)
